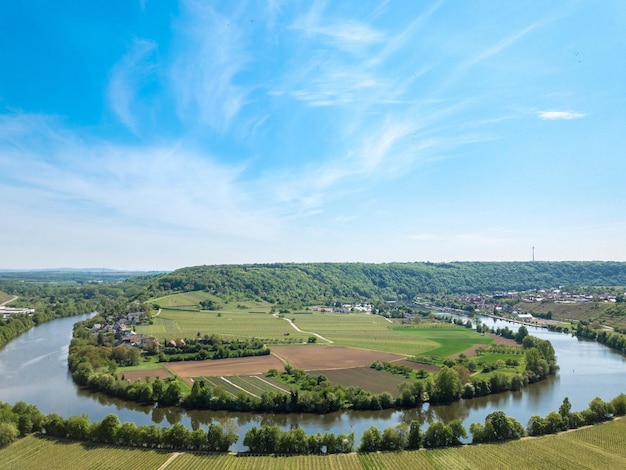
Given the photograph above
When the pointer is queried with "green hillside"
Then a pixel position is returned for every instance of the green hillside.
(307, 284)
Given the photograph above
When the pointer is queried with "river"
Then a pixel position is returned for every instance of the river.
(33, 368)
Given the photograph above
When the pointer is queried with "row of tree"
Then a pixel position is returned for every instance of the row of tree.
(612, 339)
(22, 419)
(596, 412)
(273, 440)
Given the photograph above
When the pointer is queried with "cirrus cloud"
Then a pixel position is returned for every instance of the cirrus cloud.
(551, 115)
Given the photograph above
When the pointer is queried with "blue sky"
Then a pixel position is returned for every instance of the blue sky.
(157, 135)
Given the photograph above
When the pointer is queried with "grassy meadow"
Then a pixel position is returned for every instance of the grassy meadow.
(450, 339)
(181, 317)
(600, 446)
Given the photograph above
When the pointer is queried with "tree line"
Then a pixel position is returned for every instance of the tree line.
(22, 419)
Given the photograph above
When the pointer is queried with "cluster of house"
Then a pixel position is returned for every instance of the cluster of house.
(121, 327)
(495, 302)
(6, 312)
(344, 308)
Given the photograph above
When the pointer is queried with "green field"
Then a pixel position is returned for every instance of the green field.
(182, 321)
(600, 446)
(181, 317)
(449, 339)
(360, 330)
(40, 453)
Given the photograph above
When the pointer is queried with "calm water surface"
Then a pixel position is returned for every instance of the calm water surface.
(33, 368)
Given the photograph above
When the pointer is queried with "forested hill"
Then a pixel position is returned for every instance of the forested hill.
(311, 283)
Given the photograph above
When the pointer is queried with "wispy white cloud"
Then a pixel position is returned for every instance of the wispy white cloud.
(126, 77)
(493, 50)
(551, 115)
(211, 54)
(163, 186)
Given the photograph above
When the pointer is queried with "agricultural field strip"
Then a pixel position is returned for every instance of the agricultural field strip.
(238, 387)
(215, 383)
(243, 383)
(234, 384)
(270, 384)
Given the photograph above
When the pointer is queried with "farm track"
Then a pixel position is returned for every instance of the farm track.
(169, 461)
(293, 325)
(15, 297)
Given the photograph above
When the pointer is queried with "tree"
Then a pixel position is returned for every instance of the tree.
(441, 435)
(8, 433)
(565, 409)
(597, 411)
(106, 430)
(128, 434)
(498, 427)
(78, 428)
(55, 425)
(415, 436)
(172, 395)
(522, 332)
(371, 440)
(447, 386)
(176, 437)
(553, 423)
(150, 436)
(218, 439)
(619, 405)
(535, 426)
(394, 438)
(198, 439)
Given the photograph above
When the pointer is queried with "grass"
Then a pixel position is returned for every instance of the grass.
(600, 446)
(191, 301)
(235, 323)
(4, 297)
(448, 340)
(360, 330)
(181, 317)
(152, 362)
(35, 453)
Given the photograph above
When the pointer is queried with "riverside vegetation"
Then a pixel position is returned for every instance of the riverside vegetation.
(22, 419)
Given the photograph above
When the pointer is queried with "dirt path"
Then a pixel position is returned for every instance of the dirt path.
(170, 460)
(293, 325)
(15, 297)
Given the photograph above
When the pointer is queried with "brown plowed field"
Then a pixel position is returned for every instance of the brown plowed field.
(308, 358)
(134, 375)
(235, 366)
(331, 357)
(367, 378)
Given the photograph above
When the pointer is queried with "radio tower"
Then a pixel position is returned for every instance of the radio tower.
(533, 253)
